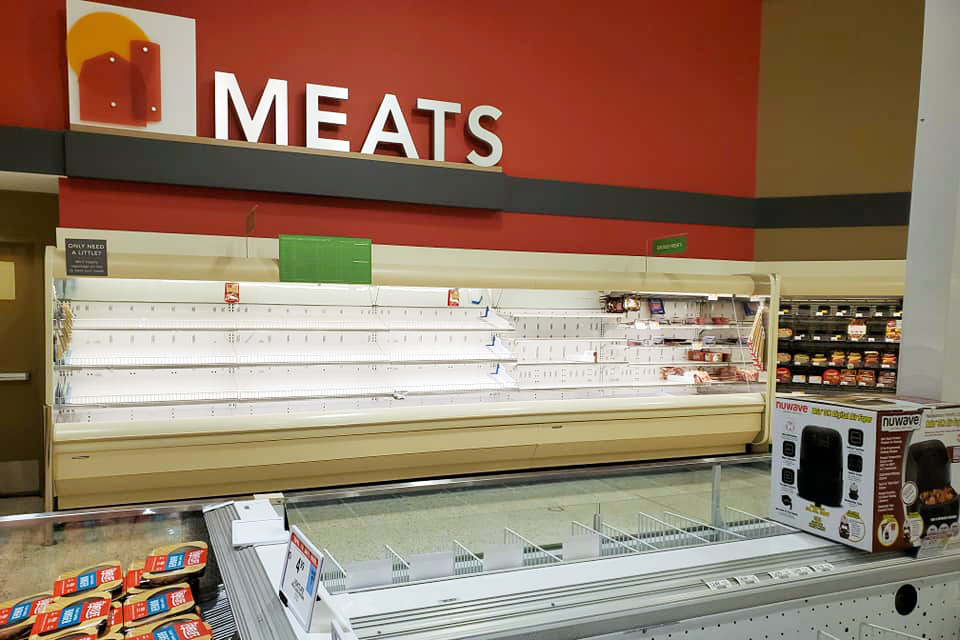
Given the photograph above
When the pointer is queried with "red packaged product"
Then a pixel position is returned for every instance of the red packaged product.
(831, 376)
(147, 606)
(848, 378)
(178, 629)
(17, 616)
(887, 379)
(107, 576)
(88, 610)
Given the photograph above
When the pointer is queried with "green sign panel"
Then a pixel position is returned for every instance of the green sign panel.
(673, 244)
(322, 259)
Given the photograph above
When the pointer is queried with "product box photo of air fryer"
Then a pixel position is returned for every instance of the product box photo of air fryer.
(873, 473)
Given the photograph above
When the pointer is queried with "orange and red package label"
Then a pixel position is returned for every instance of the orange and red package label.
(175, 561)
(189, 630)
(157, 602)
(101, 577)
(64, 613)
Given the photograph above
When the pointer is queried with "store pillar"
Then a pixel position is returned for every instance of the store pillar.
(930, 352)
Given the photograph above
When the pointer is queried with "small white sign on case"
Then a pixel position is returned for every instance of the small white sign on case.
(721, 584)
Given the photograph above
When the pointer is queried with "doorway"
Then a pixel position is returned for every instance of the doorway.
(21, 367)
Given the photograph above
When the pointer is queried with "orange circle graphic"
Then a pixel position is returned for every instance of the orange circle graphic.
(97, 33)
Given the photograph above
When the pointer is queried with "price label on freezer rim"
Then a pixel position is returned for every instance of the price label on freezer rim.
(301, 577)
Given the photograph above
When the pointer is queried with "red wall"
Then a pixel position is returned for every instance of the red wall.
(630, 92)
(125, 206)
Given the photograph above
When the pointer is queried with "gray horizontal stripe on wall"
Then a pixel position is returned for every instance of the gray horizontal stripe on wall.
(853, 210)
(629, 203)
(115, 157)
(31, 150)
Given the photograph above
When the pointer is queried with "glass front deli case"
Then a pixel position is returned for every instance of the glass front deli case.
(163, 389)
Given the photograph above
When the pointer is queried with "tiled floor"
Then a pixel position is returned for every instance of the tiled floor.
(356, 530)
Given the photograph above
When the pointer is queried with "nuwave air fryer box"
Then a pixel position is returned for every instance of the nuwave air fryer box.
(872, 472)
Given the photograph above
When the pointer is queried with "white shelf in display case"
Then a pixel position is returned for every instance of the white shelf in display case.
(562, 313)
(104, 316)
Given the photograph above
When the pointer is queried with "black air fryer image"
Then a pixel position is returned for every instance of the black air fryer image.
(855, 462)
(820, 476)
(928, 466)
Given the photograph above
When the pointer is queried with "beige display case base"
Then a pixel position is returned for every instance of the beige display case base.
(111, 463)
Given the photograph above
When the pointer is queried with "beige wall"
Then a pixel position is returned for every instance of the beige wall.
(839, 84)
(835, 243)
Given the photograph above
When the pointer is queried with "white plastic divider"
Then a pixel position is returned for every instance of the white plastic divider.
(664, 535)
(700, 528)
(585, 542)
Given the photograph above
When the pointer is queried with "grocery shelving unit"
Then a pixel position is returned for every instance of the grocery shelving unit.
(839, 344)
(121, 360)
(625, 351)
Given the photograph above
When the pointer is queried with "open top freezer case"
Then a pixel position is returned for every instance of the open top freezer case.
(163, 389)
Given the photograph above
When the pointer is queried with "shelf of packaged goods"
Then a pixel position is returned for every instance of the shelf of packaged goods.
(545, 363)
(698, 345)
(821, 367)
(283, 325)
(789, 318)
(837, 388)
(629, 385)
(219, 362)
(623, 342)
(265, 396)
(700, 327)
(690, 363)
(549, 363)
(580, 339)
(546, 313)
(809, 342)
